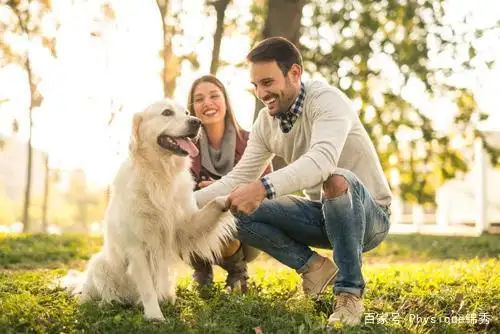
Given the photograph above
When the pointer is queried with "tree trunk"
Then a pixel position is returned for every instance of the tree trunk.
(283, 19)
(27, 195)
(220, 8)
(28, 27)
(171, 63)
(46, 191)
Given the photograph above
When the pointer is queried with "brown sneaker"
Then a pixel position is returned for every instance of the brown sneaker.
(348, 310)
(321, 272)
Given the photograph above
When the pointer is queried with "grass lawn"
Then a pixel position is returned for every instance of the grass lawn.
(415, 284)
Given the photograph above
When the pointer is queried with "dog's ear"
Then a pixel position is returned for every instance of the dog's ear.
(135, 138)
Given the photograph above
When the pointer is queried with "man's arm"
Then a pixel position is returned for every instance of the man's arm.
(253, 162)
(332, 121)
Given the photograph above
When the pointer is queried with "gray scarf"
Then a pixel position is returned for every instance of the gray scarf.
(219, 162)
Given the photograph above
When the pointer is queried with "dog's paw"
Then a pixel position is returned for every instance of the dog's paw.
(222, 202)
(154, 316)
(171, 299)
(83, 298)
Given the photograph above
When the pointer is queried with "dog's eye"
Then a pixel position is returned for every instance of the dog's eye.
(167, 112)
(187, 113)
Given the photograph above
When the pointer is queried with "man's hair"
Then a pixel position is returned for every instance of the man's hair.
(279, 49)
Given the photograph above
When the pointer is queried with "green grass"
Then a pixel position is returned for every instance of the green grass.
(427, 247)
(45, 251)
(432, 278)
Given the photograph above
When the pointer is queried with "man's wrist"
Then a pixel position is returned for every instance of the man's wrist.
(268, 187)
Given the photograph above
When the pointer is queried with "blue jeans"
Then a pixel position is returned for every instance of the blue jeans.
(350, 224)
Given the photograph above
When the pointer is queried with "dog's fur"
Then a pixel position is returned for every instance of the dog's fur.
(152, 221)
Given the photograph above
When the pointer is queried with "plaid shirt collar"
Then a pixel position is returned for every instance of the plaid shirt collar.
(287, 119)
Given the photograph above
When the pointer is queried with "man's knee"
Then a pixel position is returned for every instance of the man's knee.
(335, 186)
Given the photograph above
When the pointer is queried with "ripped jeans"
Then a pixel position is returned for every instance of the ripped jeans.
(350, 224)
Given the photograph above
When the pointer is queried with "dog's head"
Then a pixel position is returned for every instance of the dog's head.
(167, 126)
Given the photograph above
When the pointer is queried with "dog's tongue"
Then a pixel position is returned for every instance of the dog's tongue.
(188, 146)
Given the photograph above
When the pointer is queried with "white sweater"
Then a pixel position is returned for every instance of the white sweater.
(328, 134)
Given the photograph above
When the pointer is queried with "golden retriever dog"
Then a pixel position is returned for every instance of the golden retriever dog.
(152, 221)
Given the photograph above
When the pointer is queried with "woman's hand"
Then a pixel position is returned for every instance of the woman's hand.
(203, 184)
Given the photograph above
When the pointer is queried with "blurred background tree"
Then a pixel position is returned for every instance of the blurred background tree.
(33, 22)
(172, 14)
(399, 61)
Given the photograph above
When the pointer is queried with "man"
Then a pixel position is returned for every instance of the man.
(331, 157)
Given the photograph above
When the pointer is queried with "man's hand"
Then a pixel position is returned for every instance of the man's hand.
(245, 199)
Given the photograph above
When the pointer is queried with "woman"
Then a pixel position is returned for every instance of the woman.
(221, 146)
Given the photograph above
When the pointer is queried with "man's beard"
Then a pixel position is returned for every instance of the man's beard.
(286, 100)
(283, 99)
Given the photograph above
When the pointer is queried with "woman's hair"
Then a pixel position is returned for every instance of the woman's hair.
(229, 109)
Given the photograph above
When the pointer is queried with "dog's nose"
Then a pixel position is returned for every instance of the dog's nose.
(194, 122)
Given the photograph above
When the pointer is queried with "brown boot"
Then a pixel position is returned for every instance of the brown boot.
(237, 271)
(348, 310)
(203, 273)
(320, 273)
